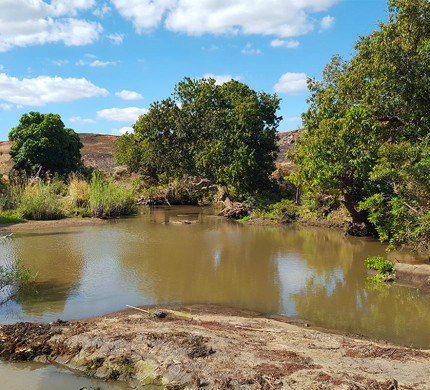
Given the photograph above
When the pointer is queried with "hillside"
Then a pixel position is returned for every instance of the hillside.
(98, 150)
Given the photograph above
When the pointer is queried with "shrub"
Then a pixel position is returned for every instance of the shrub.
(385, 268)
(110, 199)
(40, 202)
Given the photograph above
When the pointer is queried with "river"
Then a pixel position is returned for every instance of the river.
(188, 255)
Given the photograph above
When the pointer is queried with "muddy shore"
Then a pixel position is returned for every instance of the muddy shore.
(191, 347)
(29, 226)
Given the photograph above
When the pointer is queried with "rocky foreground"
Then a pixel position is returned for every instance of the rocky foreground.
(209, 347)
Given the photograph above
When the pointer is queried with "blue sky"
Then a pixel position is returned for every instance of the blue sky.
(99, 64)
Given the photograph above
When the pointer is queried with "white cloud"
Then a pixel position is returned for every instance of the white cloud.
(293, 119)
(44, 89)
(96, 63)
(6, 107)
(35, 22)
(287, 44)
(116, 38)
(102, 11)
(250, 50)
(220, 78)
(122, 130)
(60, 62)
(1, 67)
(291, 83)
(129, 95)
(78, 119)
(128, 114)
(327, 22)
(284, 18)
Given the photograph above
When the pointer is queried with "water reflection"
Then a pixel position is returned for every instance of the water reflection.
(186, 255)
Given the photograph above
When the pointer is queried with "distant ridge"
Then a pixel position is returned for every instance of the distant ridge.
(98, 150)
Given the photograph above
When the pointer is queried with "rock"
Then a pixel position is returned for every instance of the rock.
(236, 211)
(359, 230)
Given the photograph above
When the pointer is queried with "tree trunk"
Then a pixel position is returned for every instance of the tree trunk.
(356, 215)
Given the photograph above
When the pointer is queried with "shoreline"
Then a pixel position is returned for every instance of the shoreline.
(33, 225)
(194, 346)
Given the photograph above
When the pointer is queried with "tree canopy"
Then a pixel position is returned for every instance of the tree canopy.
(225, 133)
(367, 127)
(42, 143)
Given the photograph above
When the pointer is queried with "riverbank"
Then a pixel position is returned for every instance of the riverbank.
(29, 226)
(218, 348)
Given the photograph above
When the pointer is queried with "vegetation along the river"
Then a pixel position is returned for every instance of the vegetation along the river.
(363, 154)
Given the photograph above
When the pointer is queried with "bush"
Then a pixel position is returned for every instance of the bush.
(110, 199)
(40, 202)
(385, 268)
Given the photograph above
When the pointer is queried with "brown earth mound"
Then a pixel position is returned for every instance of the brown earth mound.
(98, 150)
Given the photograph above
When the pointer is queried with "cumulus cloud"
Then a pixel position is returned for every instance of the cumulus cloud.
(122, 130)
(290, 44)
(24, 23)
(248, 49)
(128, 114)
(220, 78)
(78, 119)
(284, 18)
(291, 83)
(116, 38)
(327, 22)
(44, 89)
(129, 95)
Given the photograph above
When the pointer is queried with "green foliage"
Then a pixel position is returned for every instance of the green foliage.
(110, 199)
(378, 263)
(43, 144)
(366, 136)
(40, 202)
(384, 267)
(225, 133)
(11, 216)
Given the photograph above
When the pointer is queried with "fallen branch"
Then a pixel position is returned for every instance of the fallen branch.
(256, 329)
(137, 308)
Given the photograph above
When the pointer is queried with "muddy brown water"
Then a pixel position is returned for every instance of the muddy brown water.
(188, 255)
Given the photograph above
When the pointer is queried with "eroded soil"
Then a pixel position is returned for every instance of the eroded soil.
(215, 348)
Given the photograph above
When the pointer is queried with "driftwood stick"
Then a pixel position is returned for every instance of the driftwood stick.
(256, 329)
(136, 308)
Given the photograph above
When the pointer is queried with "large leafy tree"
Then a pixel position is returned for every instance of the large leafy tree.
(225, 133)
(368, 111)
(43, 144)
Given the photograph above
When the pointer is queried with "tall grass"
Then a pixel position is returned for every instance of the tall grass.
(40, 201)
(79, 191)
(110, 199)
(12, 274)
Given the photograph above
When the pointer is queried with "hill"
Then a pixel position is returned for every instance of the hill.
(98, 150)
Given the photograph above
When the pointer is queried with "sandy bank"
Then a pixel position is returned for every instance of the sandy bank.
(54, 224)
(210, 347)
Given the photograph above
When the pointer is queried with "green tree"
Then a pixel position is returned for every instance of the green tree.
(43, 143)
(224, 133)
(362, 112)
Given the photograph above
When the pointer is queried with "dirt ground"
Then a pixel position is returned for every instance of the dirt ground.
(191, 347)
